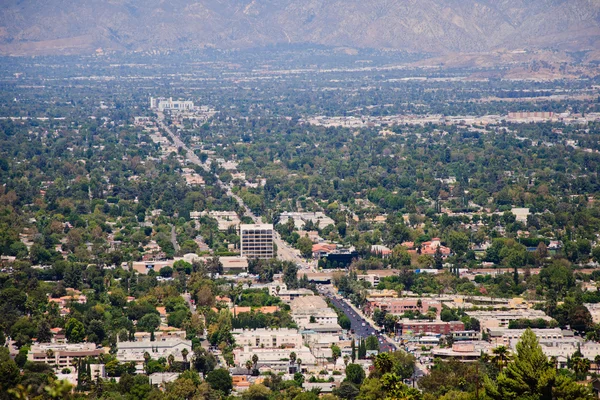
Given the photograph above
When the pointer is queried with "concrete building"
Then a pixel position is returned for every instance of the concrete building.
(594, 310)
(322, 329)
(162, 378)
(318, 218)
(134, 351)
(256, 241)
(461, 336)
(280, 289)
(274, 359)
(501, 319)
(400, 306)
(268, 338)
(312, 307)
(62, 355)
(463, 351)
(159, 336)
(506, 337)
(163, 104)
(415, 327)
(225, 219)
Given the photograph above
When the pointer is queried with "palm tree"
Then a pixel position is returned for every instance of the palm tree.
(580, 366)
(255, 361)
(299, 362)
(335, 354)
(146, 359)
(501, 356)
(293, 358)
(249, 366)
(184, 354)
(170, 360)
(384, 363)
(484, 357)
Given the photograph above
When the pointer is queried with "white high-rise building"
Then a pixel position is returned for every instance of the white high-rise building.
(256, 241)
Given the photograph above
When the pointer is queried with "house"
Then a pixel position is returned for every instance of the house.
(432, 247)
(322, 249)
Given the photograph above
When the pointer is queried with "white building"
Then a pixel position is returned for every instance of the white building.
(501, 319)
(273, 359)
(318, 218)
(134, 351)
(225, 219)
(508, 337)
(280, 289)
(62, 355)
(163, 104)
(268, 338)
(256, 241)
(312, 307)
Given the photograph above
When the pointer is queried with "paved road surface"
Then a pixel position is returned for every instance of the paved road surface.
(174, 239)
(357, 323)
(284, 251)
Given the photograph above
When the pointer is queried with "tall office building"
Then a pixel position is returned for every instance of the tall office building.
(257, 240)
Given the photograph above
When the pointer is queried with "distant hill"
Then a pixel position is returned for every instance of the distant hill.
(436, 26)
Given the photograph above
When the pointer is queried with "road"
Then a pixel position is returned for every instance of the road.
(174, 239)
(284, 250)
(361, 326)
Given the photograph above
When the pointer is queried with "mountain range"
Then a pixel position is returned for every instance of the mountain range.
(29, 27)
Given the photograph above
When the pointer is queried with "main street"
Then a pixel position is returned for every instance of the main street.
(361, 326)
(284, 251)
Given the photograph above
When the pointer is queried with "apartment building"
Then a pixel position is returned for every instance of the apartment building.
(134, 351)
(501, 319)
(277, 360)
(307, 308)
(416, 327)
(400, 306)
(506, 337)
(256, 241)
(268, 338)
(62, 355)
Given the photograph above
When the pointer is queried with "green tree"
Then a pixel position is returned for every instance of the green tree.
(531, 376)
(220, 380)
(256, 392)
(347, 390)
(355, 374)
(149, 323)
(9, 371)
(501, 356)
(336, 353)
(304, 244)
(74, 331)
(458, 242)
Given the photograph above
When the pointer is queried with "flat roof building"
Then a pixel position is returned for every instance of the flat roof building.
(268, 338)
(134, 351)
(61, 355)
(256, 241)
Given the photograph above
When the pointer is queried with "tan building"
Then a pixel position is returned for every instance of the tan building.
(62, 355)
(256, 241)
